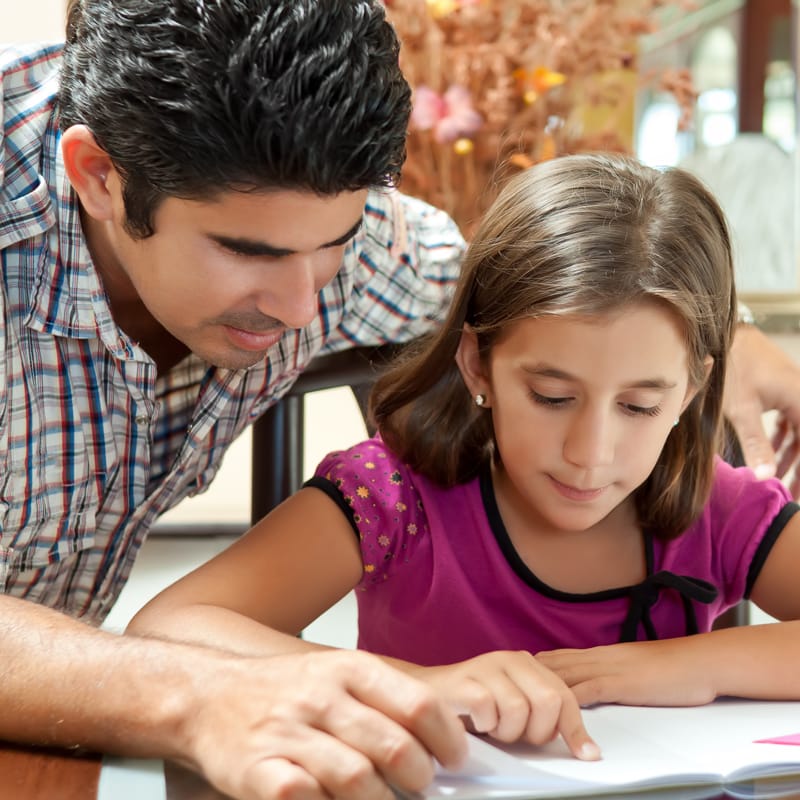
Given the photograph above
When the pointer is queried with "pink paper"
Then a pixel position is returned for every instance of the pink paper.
(790, 738)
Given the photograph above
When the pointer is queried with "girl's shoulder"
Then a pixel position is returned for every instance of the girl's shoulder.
(744, 509)
(381, 491)
(741, 520)
(737, 491)
(382, 498)
(370, 459)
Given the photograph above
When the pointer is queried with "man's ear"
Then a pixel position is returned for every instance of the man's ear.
(692, 389)
(90, 171)
(471, 366)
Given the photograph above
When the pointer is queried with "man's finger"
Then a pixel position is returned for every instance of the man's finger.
(756, 448)
(277, 777)
(414, 707)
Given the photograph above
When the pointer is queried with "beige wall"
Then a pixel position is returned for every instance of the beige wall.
(31, 20)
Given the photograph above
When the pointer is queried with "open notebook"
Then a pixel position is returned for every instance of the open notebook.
(644, 749)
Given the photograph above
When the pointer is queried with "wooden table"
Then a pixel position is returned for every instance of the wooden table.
(28, 773)
(31, 774)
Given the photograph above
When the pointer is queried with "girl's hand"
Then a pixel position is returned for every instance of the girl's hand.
(510, 696)
(672, 672)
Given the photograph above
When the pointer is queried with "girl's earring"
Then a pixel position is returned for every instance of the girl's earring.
(480, 400)
(677, 420)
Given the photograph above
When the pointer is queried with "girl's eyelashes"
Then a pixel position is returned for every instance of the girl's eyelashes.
(628, 408)
(549, 401)
(638, 411)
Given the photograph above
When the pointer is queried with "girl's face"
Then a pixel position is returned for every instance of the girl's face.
(581, 408)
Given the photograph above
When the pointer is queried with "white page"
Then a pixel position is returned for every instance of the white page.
(646, 747)
(640, 743)
(489, 771)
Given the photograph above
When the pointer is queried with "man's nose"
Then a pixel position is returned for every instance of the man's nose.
(290, 294)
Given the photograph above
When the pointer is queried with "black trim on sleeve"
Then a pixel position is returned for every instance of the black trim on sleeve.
(765, 547)
(330, 489)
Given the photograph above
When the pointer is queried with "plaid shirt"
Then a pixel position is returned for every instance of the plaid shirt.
(94, 444)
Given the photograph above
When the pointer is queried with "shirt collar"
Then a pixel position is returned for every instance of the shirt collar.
(68, 298)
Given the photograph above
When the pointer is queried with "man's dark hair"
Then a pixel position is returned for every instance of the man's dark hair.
(190, 98)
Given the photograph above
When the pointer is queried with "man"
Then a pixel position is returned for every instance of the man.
(182, 227)
(762, 377)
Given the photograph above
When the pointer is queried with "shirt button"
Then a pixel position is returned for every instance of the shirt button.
(142, 419)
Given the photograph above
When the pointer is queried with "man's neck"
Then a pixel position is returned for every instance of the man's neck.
(129, 312)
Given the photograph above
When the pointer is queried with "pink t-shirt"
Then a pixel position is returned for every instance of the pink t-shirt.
(443, 583)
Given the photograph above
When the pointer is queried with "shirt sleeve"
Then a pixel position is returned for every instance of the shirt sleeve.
(377, 494)
(408, 259)
(746, 516)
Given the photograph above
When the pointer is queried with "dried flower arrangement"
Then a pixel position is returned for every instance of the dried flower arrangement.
(501, 84)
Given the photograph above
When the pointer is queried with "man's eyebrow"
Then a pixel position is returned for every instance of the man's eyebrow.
(347, 237)
(255, 247)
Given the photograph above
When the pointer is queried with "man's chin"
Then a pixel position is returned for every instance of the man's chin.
(232, 359)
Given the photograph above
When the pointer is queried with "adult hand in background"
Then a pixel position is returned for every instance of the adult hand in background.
(762, 377)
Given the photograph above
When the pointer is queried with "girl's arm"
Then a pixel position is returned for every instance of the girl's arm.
(753, 661)
(256, 596)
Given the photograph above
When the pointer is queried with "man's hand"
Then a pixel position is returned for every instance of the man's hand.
(761, 377)
(510, 696)
(319, 725)
(310, 725)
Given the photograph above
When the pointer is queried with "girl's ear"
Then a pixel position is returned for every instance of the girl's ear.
(471, 366)
(90, 171)
(692, 389)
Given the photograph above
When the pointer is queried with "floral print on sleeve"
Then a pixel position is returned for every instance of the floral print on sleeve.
(387, 510)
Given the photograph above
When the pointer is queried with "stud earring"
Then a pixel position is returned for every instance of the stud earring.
(480, 400)
(677, 420)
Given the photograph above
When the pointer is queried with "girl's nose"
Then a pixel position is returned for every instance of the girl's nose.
(590, 441)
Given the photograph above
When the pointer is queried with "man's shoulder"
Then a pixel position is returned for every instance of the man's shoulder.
(387, 207)
(25, 71)
(402, 225)
(29, 77)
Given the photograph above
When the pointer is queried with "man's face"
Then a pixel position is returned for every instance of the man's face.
(226, 277)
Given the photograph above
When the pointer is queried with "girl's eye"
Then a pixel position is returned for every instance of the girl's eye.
(641, 411)
(552, 402)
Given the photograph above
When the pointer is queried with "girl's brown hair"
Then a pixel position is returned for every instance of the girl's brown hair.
(585, 235)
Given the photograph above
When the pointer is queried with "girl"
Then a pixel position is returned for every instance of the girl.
(543, 508)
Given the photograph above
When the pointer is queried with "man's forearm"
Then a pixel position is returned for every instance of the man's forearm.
(64, 683)
(254, 726)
